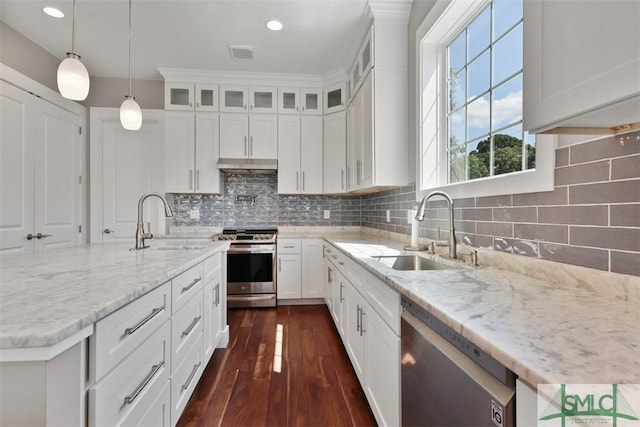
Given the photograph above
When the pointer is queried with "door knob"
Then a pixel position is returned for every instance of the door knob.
(107, 231)
(30, 236)
(42, 236)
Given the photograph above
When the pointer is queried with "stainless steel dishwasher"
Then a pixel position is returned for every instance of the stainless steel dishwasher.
(448, 381)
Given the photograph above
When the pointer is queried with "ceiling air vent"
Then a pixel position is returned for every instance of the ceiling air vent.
(242, 52)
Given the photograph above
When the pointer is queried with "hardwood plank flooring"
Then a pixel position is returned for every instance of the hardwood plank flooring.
(316, 385)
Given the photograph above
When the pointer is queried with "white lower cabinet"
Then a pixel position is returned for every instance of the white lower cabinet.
(300, 269)
(134, 384)
(185, 378)
(526, 404)
(145, 363)
(367, 316)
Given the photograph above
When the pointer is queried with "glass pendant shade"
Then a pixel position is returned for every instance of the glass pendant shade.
(130, 114)
(73, 78)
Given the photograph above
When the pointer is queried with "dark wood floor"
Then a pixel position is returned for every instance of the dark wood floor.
(315, 387)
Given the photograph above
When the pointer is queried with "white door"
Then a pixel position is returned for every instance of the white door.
(124, 166)
(233, 136)
(179, 151)
(335, 153)
(208, 177)
(311, 154)
(16, 169)
(57, 176)
(263, 136)
(288, 154)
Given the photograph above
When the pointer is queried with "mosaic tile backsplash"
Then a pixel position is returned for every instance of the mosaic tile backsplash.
(260, 205)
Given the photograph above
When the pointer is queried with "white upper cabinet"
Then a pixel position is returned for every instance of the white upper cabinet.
(300, 155)
(245, 99)
(263, 100)
(190, 96)
(288, 100)
(311, 100)
(191, 153)
(234, 99)
(582, 65)
(334, 98)
(335, 153)
(244, 136)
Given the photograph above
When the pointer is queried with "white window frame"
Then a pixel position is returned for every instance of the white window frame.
(439, 28)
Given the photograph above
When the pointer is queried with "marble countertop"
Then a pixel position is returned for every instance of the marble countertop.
(47, 297)
(545, 333)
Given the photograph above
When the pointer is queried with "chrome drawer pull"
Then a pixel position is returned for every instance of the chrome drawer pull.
(191, 285)
(193, 374)
(191, 326)
(341, 287)
(217, 294)
(153, 314)
(362, 313)
(358, 319)
(132, 397)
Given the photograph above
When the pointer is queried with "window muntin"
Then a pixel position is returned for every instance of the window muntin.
(485, 136)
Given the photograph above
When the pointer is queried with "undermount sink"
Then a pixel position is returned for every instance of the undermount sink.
(411, 263)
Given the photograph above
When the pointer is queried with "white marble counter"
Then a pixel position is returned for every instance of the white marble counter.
(545, 333)
(46, 298)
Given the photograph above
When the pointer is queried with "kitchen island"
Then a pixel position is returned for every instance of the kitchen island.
(52, 302)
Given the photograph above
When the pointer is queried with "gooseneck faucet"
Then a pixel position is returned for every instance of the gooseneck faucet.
(141, 235)
(452, 231)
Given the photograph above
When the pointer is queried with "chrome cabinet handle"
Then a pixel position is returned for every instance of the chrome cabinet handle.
(341, 288)
(154, 313)
(251, 145)
(191, 326)
(358, 318)
(108, 231)
(342, 179)
(191, 285)
(302, 180)
(217, 294)
(197, 179)
(329, 279)
(245, 146)
(190, 179)
(191, 375)
(288, 246)
(297, 181)
(280, 264)
(362, 313)
(132, 397)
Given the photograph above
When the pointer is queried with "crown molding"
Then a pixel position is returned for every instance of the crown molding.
(241, 77)
(391, 9)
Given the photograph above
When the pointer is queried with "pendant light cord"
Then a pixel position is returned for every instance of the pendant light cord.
(129, 47)
(73, 29)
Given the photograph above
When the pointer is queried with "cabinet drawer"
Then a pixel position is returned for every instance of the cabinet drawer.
(355, 274)
(385, 301)
(157, 414)
(186, 326)
(119, 333)
(288, 246)
(336, 257)
(185, 285)
(185, 379)
(134, 384)
(211, 266)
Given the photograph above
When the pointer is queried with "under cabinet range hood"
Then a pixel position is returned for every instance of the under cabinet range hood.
(246, 166)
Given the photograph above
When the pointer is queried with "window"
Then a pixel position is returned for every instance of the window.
(471, 81)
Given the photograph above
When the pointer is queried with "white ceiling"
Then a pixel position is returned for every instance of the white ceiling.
(319, 36)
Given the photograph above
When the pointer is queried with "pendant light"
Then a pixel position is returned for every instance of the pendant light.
(73, 78)
(130, 112)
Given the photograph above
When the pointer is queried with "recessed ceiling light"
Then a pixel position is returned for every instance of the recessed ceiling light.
(52, 11)
(274, 25)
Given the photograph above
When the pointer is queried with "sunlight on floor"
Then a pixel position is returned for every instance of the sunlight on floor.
(277, 354)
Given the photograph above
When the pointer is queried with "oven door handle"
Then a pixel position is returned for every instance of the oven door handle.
(266, 249)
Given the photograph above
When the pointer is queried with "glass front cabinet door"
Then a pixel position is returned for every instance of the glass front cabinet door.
(311, 101)
(288, 100)
(334, 98)
(206, 97)
(178, 96)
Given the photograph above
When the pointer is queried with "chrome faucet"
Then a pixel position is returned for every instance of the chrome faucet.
(141, 235)
(452, 231)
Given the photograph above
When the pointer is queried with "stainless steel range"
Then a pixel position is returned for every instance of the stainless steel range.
(251, 273)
